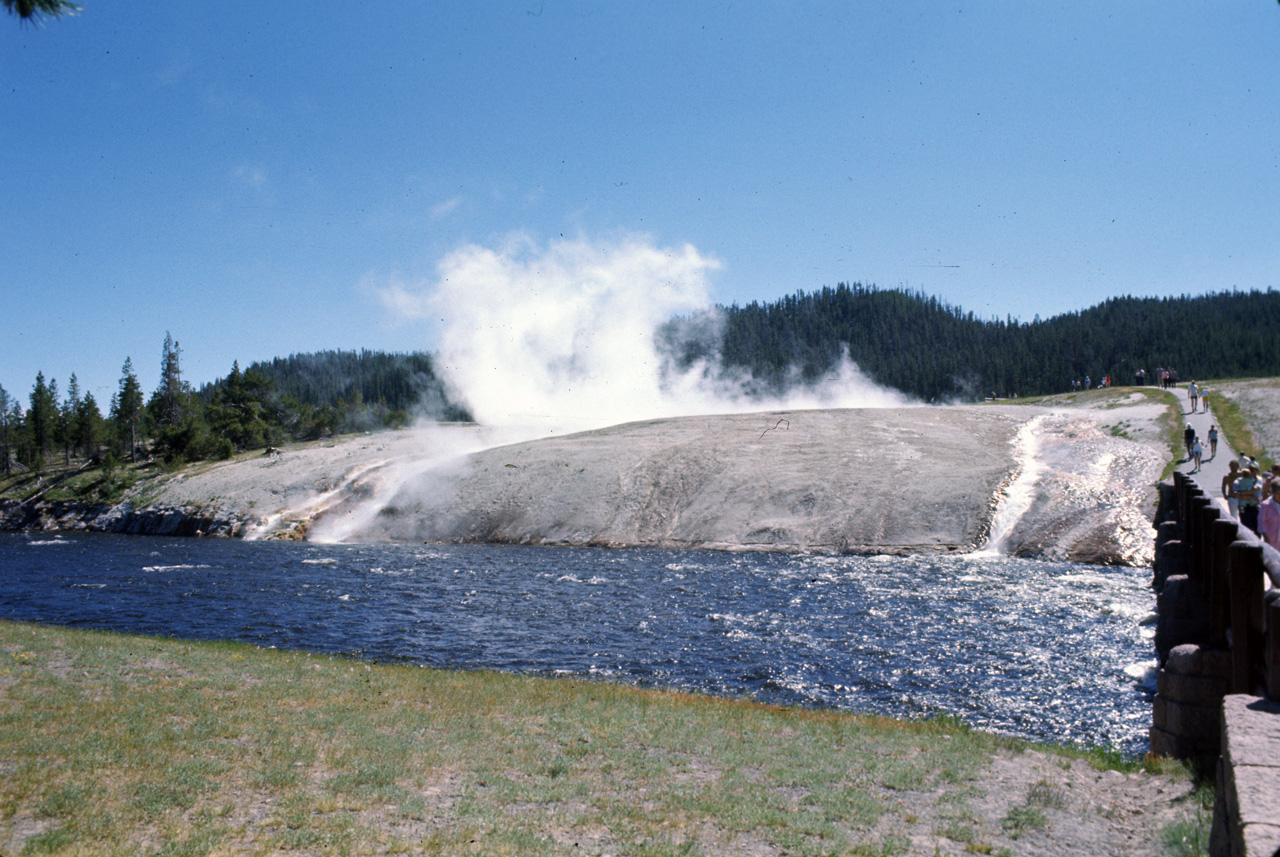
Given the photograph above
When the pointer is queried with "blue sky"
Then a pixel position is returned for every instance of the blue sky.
(258, 179)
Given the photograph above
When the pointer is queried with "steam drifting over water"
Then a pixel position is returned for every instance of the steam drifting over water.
(564, 336)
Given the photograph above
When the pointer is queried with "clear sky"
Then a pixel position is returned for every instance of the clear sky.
(261, 179)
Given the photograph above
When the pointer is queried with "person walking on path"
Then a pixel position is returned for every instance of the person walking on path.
(1228, 487)
(1188, 437)
(1212, 471)
(1197, 452)
(1193, 393)
(1213, 442)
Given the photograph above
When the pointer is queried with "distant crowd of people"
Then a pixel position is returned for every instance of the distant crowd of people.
(1087, 383)
(1164, 376)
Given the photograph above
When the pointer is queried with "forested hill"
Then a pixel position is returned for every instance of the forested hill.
(398, 382)
(935, 351)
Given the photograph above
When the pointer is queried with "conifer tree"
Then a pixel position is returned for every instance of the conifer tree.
(6, 434)
(126, 410)
(65, 431)
(33, 10)
(169, 401)
(42, 415)
(86, 431)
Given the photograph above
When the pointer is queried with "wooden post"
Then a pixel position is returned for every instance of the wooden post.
(1207, 512)
(1180, 490)
(1246, 612)
(1272, 641)
(1224, 532)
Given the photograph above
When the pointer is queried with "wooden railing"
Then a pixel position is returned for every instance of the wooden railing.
(1237, 576)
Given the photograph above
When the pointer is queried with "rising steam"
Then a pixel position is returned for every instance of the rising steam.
(566, 336)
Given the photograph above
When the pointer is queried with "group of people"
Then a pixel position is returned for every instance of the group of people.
(1195, 449)
(1167, 378)
(1164, 376)
(1253, 496)
(1087, 384)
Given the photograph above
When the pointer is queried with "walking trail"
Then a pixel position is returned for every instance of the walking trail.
(1212, 468)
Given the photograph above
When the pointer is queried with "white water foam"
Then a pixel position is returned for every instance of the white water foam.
(1021, 493)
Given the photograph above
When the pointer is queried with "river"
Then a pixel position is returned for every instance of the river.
(1040, 650)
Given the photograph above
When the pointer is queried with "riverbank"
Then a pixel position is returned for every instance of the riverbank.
(874, 481)
(121, 744)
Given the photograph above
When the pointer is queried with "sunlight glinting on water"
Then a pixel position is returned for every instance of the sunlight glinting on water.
(1041, 650)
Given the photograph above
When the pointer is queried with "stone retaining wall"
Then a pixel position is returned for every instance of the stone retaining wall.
(1246, 814)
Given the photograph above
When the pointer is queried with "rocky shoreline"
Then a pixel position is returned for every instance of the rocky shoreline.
(123, 518)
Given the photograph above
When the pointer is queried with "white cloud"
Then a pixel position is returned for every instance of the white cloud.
(444, 209)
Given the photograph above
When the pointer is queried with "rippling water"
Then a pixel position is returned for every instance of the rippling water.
(1040, 650)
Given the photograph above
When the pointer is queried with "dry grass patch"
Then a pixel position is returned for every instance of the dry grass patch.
(111, 744)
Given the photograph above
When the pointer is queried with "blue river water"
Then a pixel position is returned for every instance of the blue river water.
(1047, 651)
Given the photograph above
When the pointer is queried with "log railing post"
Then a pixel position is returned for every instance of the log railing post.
(1195, 562)
(1206, 512)
(1246, 613)
(1223, 533)
(1180, 495)
(1272, 642)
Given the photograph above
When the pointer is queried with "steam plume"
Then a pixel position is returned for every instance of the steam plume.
(563, 336)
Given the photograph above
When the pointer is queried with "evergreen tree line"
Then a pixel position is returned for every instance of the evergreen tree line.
(935, 351)
(301, 397)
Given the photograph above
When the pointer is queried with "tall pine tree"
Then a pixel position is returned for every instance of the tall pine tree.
(41, 417)
(126, 410)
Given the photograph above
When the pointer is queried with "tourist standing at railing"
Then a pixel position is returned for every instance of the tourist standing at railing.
(1248, 490)
(1269, 516)
(1228, 484)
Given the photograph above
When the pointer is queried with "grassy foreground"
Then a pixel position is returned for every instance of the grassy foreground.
(113, 744)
